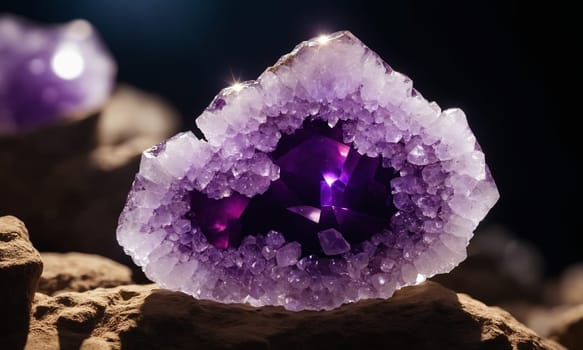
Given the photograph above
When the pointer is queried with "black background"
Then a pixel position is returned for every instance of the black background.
(483, 56)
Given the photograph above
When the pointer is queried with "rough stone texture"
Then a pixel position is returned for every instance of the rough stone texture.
(20, 269)
(78, 272)
(568, 328)
(69, 182)
(426, 316)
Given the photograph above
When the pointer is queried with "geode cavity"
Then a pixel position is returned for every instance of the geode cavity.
(327, 180)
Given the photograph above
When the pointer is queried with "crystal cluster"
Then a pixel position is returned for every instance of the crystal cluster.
(47, 73)
(327, 180)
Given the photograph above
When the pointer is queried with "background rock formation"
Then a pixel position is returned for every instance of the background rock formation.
(568, 328)
(69, 181)
(77, 272)
(500, 269)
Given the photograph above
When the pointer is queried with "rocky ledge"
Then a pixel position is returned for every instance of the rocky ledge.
(82, 314)
(427, 316)
(78, 272)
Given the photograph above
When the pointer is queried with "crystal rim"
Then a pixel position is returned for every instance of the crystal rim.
(456, 227)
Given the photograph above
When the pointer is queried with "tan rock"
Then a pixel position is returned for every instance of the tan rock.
(20, 268)
(427, 316)
(571, 285)
(70, 181)
(568, 328)
(78, 272)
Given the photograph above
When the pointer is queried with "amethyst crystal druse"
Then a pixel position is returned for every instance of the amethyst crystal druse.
(48, 73)
(327, 180)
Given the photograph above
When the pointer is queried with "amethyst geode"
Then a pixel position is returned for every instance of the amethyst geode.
(48, 73)
(327, 180)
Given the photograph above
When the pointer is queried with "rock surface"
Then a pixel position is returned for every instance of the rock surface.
(79, 173)
(568, 328)
(78, 272)
(570, 285)
(560, 296)
(427, 316)
(20, 269)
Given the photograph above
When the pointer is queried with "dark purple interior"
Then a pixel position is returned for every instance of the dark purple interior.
(324, 183)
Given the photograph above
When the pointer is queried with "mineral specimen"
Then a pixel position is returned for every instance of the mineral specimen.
(327, 180)
(50, 73)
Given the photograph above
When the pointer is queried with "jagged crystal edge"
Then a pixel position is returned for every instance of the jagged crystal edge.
(339, 79)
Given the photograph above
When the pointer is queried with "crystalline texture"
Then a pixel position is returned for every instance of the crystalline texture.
(327, 180)
(323, 183)
(47, 73)
(332, 242)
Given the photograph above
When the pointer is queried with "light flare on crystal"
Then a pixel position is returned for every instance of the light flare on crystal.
(237, 86)
(323, 39)
(331, 180)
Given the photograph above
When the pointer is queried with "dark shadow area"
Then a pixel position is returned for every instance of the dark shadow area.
(54, 185)
(417, 323)
(571, 336)
(476, 277)
(16, 292)
(423, 317)
(72, 336)
(20, 269)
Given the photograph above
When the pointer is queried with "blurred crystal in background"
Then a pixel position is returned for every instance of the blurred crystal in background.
(68, 147)
(50, 72)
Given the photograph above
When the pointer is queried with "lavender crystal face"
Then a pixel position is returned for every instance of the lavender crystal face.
(47, 73)
(327, 180)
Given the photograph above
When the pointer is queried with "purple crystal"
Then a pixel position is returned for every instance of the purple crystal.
(323, 183)
(47, 73)
(289, 254)
(327, 180)
(332, 242)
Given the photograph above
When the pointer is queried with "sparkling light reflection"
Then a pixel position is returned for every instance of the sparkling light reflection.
(323, 39)
(330, 178)
(310, 213)
(237, 86)
(67, 63)
(420, 279)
